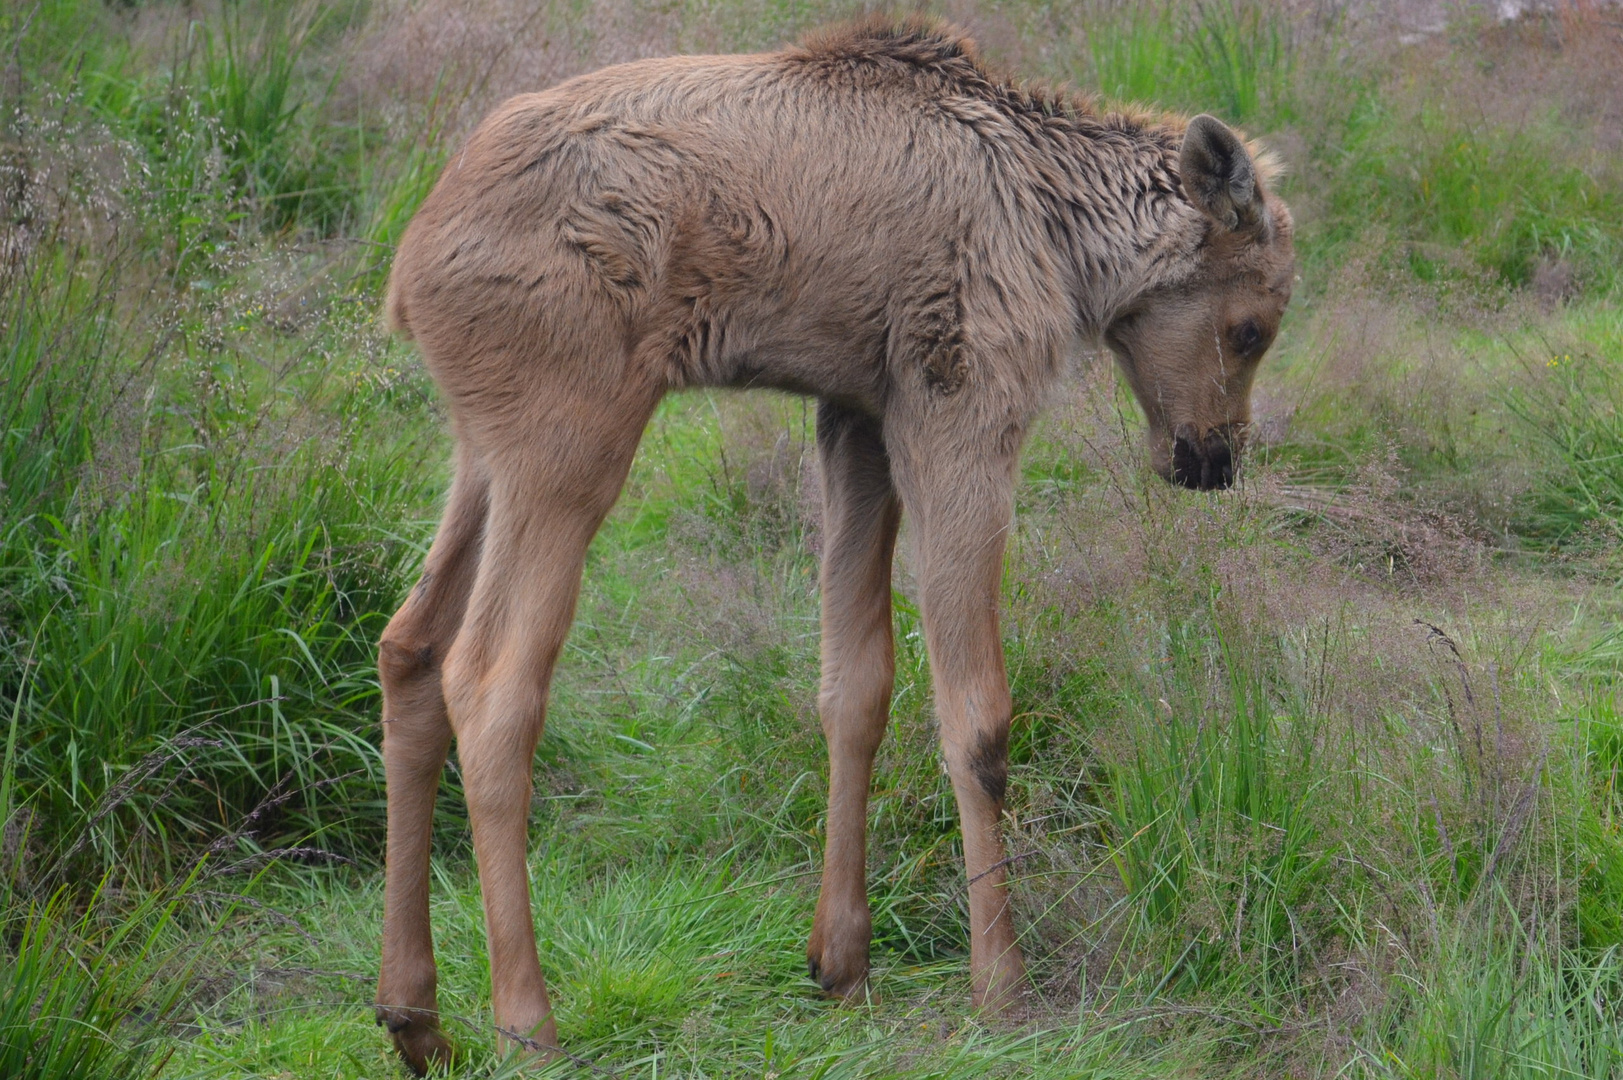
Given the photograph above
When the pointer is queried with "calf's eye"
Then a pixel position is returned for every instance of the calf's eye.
(1246, 337)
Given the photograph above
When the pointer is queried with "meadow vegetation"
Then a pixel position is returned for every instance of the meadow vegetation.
(1317, 777)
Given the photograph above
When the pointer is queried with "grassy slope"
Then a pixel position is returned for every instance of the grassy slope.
(1315, 777)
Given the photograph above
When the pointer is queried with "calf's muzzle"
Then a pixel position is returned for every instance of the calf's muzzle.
(1205, 462)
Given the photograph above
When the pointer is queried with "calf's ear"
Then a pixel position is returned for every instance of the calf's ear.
(1219, 176)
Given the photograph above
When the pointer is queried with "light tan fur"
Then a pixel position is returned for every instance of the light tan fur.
(872, 218)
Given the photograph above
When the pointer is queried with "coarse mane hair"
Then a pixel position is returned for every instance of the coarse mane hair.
(938, 57)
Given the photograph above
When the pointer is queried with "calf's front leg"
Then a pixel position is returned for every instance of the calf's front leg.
(959, 496)
(860, 517)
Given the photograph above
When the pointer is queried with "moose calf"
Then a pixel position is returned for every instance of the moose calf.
(872, 218)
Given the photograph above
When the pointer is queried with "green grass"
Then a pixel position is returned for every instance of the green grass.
(191, 562)
(1491, 1007)
(1571, 407)
(56, 1021)
(1457, 190)
(1233, 59)
(86, 995)
(1266, 821)
(1216, 817)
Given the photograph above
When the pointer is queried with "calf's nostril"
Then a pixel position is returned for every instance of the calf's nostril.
(1219, 460)
(1219, 465)
(1186, 463)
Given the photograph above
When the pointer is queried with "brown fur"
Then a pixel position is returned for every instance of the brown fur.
(872, 218)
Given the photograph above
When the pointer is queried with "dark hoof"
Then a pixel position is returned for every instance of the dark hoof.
(847, 981)
(417, 1039)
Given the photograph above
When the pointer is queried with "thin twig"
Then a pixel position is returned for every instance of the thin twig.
(1001, 863)
(548, 1048)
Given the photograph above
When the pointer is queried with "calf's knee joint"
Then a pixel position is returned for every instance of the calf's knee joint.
(401, 660)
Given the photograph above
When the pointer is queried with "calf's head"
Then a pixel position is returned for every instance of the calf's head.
(1190, 347)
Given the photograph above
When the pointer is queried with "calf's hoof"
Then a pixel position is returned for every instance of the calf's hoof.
(417, 1039)
(840, 968)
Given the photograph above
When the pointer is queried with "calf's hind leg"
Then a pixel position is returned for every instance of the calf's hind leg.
(416, 735)
(550, 488)
(860, 516)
